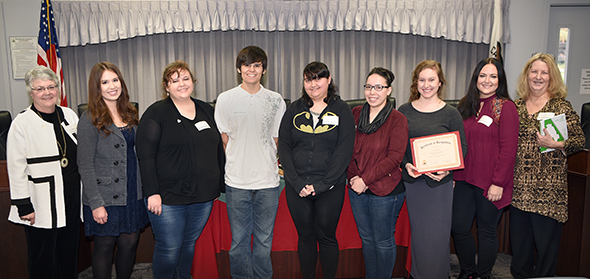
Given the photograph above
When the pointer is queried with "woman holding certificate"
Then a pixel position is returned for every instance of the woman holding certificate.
(429, 195)
(376, 188)
(484, 187)
(539, 202)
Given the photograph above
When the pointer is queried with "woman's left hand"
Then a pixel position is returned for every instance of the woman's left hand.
(358, 185)
(547, 141)
(495, 193)
(437, 176)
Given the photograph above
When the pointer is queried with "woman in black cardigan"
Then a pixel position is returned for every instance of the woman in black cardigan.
(181, 161)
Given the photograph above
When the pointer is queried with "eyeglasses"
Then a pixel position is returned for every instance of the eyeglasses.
(377, 87)
(50, 88)
(253, 65)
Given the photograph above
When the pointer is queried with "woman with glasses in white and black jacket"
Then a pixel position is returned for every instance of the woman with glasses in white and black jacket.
(44, 182)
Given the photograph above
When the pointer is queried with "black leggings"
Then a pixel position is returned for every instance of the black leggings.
(469, 203)
(316, 219)
(102, 255)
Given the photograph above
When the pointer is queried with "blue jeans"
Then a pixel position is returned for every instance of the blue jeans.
(176, 230)
(251, 215)
(375, 219)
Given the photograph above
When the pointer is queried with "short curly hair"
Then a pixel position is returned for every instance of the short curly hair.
(174, 67)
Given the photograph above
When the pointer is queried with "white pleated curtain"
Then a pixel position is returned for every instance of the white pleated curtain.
(351, 37)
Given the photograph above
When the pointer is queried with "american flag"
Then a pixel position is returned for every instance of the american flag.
(48, 51)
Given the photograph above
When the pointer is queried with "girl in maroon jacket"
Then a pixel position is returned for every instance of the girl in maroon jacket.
(376, 189)
(484, 187)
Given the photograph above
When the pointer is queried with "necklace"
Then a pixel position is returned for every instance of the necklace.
(63, 161)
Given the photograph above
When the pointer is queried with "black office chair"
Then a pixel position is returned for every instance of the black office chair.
(454, 103)
(5, 120)
(84, 107)
(585, 121)
(212, 103)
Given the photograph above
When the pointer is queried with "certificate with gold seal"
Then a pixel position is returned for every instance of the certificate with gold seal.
(438, 152)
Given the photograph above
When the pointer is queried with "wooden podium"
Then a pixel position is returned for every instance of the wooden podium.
(574, 249)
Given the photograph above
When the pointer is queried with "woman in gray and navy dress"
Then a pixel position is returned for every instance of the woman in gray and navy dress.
(114, 211)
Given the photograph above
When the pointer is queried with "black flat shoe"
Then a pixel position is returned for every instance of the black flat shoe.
(477, 276)
(465, 275)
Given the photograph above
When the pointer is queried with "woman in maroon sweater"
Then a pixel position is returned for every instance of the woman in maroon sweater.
(376, 189)
(484, 187)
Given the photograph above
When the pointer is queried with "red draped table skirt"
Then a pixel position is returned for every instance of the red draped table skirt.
(216, 235)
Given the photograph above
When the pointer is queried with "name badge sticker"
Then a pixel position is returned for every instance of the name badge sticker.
(486, 120)
(202, 125)
(330, 120)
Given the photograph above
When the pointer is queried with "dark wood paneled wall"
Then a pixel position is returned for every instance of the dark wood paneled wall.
(574, 249)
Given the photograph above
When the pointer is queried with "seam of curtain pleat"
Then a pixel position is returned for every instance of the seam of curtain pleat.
(81, 23)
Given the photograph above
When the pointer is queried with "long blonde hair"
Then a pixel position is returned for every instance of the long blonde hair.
(556, 88)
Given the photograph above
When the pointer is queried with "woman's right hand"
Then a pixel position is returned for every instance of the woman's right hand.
(306, 191)
(29, 217)
(155, 204)
(100, 215)
(412, 170)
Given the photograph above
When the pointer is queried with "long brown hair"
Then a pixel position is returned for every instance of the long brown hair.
(427, 64)
(98, 110)
(469, 104)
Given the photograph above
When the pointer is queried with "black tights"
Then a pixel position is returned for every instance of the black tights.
(316, 219)
(102, 255)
